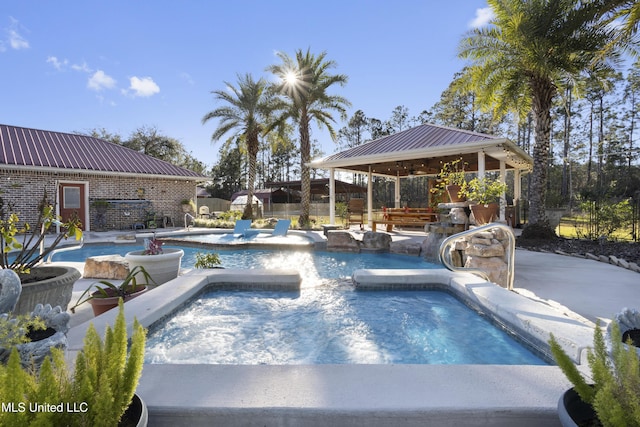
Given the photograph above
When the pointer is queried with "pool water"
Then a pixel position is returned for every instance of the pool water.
(333, 324)
(312, 265)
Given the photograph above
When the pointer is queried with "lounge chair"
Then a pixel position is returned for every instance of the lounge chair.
(241, 229)
(282, 227)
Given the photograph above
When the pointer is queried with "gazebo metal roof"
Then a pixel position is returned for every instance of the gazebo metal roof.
(319, 186)
(423, 149)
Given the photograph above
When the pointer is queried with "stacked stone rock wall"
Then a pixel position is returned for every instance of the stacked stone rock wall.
(487, 251)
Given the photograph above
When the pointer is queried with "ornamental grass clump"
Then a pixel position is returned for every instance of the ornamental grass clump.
(97, 393)
(614, 392)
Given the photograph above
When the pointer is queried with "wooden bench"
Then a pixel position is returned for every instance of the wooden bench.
(407, 217)
(405, 222)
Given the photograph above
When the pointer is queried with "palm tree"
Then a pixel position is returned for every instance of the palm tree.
(245, 113)
(304, 81)
(526, 53)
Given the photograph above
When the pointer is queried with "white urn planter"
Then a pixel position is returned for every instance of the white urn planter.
(161, 267)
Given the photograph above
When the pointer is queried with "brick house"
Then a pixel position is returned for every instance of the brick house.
(77, 170)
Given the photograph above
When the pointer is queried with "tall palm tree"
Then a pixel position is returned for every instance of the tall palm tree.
(304, 81)
(245, 115)
(526, 52)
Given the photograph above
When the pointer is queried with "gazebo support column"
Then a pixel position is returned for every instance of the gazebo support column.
(332, 196)
(481, 164)
(397, 192)
(517, 193)
(370, 198)
(503, 180)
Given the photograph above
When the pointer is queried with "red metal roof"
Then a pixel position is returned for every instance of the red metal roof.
(419, 137)
(24, 147)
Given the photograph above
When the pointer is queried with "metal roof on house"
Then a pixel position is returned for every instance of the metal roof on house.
(423, 149)
(25, 148)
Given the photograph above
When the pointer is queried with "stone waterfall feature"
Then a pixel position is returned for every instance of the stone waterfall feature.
(485, 250)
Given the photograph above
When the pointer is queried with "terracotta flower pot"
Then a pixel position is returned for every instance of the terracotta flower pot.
(453, 191)
(101, 304)
(484, 214)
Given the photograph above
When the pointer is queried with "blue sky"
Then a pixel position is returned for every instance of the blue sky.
(78, 65)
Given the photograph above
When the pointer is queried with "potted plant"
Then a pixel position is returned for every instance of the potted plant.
(451, 179)
(188, 205)
(162, 264)
(484, 194)
(207, 260)
(612, 397)
(105, 298)
(98, 391)
(22, 248)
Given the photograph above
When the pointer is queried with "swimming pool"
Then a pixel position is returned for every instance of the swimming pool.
(256, 239)
(311, 264)
(332, 324)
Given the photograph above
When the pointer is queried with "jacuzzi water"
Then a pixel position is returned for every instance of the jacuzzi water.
(332, 324)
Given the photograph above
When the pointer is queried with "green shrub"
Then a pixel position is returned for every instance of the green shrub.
(604, 218)
(100, 388)
(615, 394)
(230, 215)
(207, 260)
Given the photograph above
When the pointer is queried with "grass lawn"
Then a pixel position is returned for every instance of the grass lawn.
(578, 226)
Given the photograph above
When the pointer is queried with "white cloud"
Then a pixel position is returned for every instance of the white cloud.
(81, 67)
(12, 37)
(144, 86)
(57, 64)
(483, 17)
(16, 41)
(99, 81)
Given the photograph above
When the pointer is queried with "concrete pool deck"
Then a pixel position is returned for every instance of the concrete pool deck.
(403, 395)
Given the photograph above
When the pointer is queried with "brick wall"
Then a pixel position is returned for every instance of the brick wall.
(25, 189)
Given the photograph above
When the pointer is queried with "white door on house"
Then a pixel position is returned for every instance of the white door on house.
(72, 202)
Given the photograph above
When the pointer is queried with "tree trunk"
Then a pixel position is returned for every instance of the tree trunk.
(543, 92)
(252, 150)
(305, 178)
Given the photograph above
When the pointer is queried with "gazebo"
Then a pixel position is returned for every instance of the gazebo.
(421, 151)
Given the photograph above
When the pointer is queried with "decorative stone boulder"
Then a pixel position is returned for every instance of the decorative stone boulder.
(486, 251)
(342, 241)
(405, 247)
(106, 267)
(495, 267)
(376, 242)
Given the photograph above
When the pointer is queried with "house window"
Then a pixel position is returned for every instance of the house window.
(71, 198)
